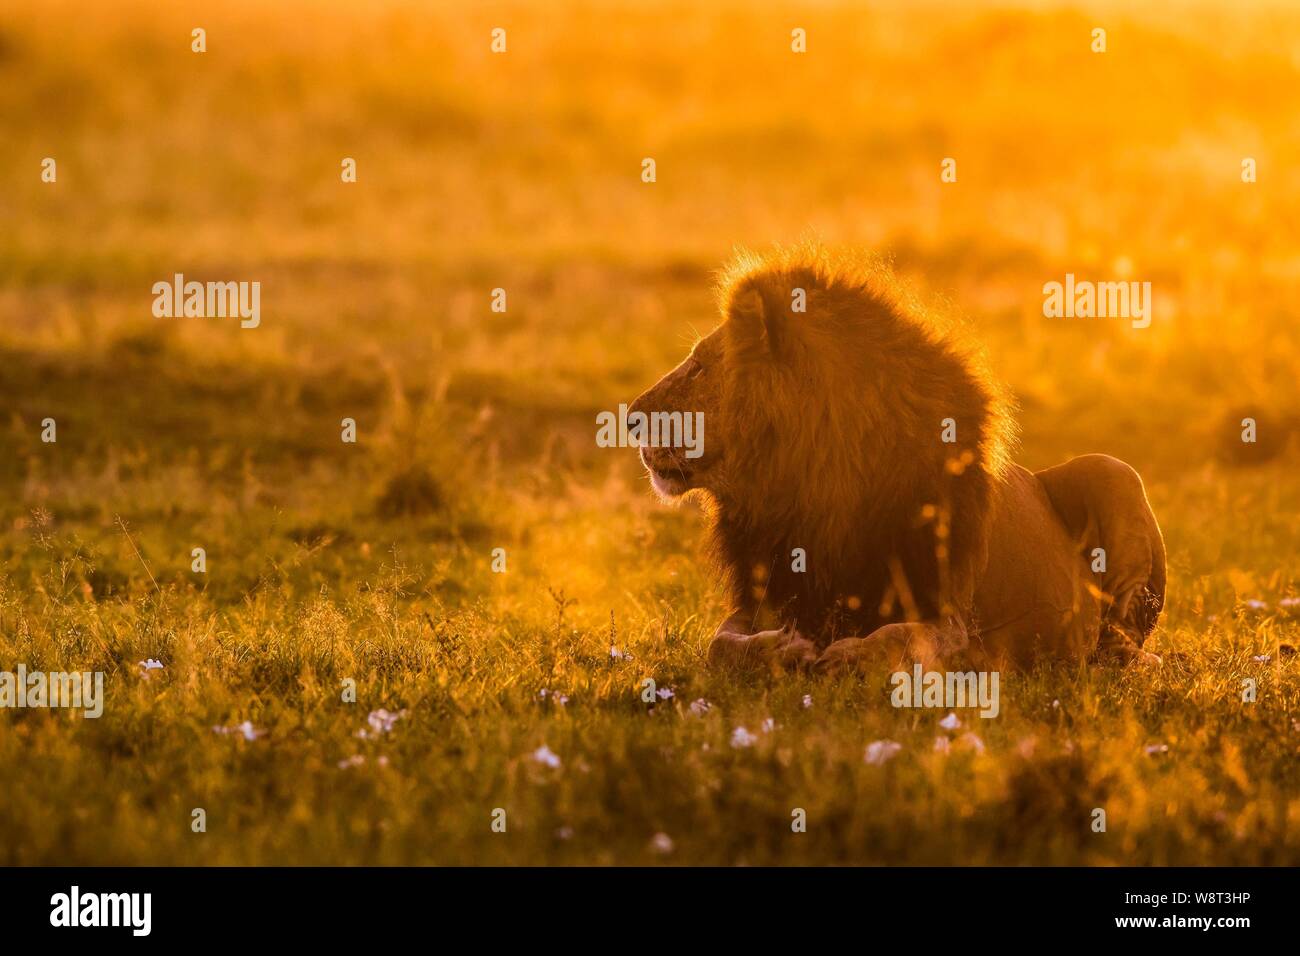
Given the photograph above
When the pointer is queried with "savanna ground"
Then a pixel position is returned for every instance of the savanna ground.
(329, 561)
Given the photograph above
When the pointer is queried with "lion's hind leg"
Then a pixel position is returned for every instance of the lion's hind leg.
(1104, 507)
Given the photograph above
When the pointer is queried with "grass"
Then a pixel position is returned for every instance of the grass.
(371, 562)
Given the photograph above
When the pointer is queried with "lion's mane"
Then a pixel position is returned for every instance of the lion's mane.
(834, 418)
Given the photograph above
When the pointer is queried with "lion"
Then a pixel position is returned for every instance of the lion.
(863, 506)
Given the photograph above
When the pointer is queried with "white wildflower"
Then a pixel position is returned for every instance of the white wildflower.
(545, 756)
(881, 751)
(381, 721)
(245, 730)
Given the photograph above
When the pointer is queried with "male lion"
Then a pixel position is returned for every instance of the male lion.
(863, 507)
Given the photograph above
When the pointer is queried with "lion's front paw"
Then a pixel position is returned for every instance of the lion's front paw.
(781, 648)
(889, 645)
(848, 653)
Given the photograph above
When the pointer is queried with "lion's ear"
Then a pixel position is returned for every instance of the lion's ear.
(751, 312)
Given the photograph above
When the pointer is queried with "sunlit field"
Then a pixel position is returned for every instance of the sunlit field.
(478, 692)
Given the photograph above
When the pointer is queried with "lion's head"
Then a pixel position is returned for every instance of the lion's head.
(693, 388)
(828, 402)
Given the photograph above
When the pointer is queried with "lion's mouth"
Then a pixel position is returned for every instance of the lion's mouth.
(669, 485)
(669, 478)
